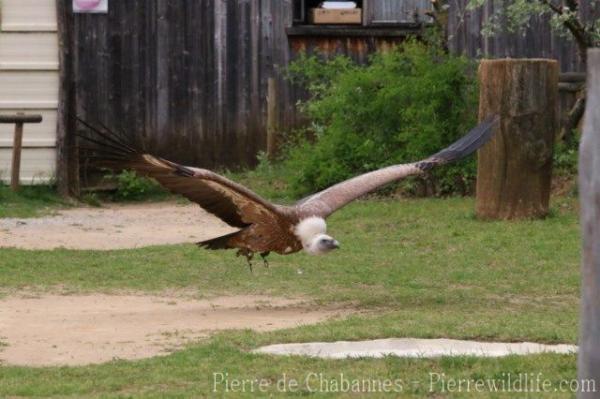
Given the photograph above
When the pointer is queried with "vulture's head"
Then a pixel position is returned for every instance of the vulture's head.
(312, 233)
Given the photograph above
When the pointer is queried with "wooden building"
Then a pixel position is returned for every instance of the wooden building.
(188, 79)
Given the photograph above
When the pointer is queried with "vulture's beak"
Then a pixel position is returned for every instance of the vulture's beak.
(335, 244)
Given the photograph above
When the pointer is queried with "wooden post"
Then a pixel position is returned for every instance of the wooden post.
(16, 156)
(589, 196)
(67, 155)
(272, 115)
(515, 169)
(19, 120)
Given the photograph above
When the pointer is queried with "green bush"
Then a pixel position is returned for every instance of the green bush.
(406, 104)
(131, 187)
(566, 155)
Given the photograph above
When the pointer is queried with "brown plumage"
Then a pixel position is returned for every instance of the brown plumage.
(263, 226)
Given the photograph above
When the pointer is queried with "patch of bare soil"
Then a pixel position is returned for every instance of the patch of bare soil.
(76, 330)
(113, 227)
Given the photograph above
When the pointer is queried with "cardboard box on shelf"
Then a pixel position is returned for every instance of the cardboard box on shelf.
(321, 16)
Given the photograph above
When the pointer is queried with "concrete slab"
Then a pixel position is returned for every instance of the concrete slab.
(412, 347)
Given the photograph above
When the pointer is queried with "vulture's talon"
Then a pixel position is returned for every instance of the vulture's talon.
(264, 255)
(248, 255)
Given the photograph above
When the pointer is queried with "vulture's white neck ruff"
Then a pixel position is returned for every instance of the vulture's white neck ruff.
(310, 227)
(310, 231)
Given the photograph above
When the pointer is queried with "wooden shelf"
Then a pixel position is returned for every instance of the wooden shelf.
(355, 30)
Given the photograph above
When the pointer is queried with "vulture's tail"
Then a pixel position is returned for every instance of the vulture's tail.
(219, 242)
(468, 144)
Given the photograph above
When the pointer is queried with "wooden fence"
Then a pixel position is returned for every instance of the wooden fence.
(537, 41)
(188, 79)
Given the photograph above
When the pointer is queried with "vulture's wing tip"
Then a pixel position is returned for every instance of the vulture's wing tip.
(465, 146)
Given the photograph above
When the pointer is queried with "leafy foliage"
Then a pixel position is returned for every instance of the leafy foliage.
(131, 187)
(566, 155)
(405, 105)
(516, 16)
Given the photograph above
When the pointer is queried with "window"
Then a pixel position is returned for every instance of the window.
(397, 12)
(375, 12)
(299, 11)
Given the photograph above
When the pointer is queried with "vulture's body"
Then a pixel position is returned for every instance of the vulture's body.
(265, 227)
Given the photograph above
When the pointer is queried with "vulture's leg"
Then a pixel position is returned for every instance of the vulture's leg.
(264, 255)
(248, 255)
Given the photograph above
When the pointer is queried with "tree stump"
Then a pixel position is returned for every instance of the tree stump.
(589, 196)
(515, 169)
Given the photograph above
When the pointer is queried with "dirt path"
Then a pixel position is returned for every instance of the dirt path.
(113, 227)
(84, 329)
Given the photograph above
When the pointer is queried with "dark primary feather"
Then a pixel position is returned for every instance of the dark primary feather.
(118, 144)
(231, 202)
(465, 146)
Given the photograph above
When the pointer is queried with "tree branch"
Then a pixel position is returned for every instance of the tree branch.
(584, 41)
(440, 19)
(575, 115)
(574, 25)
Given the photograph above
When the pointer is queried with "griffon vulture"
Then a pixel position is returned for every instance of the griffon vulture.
(265, 227)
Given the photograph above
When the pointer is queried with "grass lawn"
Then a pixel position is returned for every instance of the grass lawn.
(29, 201)
(419, 268)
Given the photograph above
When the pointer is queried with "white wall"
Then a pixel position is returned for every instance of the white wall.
(29, 83)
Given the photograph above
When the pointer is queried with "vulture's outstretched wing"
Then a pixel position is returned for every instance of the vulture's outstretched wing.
(329, 200)
(229, 201)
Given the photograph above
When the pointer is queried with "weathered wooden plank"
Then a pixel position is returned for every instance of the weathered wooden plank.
(337, 31)
(272, 118)
(219, 122)
(572, 77)
(15, 170)
(20, 118)
(394, 11)
(67, 165)
(589, 196)
(163, 74)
